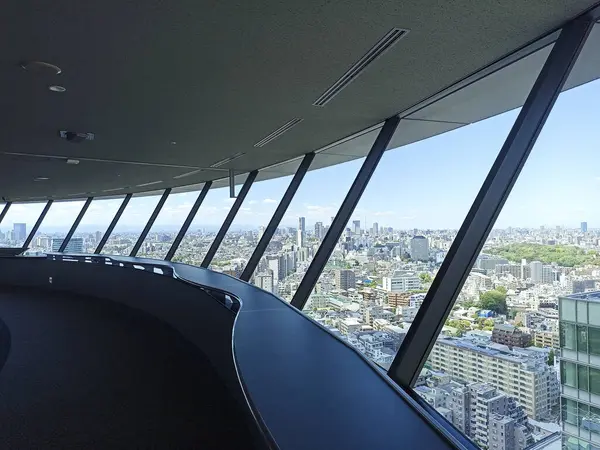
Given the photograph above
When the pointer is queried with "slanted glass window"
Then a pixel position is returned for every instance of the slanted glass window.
(130, 225)
(56, 225)
(167, 225)
(94, 223)
(17, 224)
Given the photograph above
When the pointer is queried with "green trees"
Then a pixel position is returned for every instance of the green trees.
(551, 357)
(493, 300)
(425, 277)
(564, 255)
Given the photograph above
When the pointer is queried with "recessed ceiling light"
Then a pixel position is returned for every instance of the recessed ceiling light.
(173, 142)
(41, 178)
(73, 162)
(57, 88)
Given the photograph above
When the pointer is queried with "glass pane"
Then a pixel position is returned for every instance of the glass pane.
(594, 340)
(96, 220)
(568, 373)
(17, 223)
(305, 223)
(249, 223)
(567, 308)
(167, 225)
(206, 224)
(55, 227)
(582, 338)
(594, 381)
(582, 377)
(594, 313)
(582, 309)
(130, 225)
(568, 337)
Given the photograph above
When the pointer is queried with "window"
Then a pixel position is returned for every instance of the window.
(167, 225)
(568, 373)
(594, 340)
(18, 222)
(569, 411)
(207, 222)
(130, 225)
(247, 228)
(568, 338)
(582, 341)
(56, 225)
(594, 381)
(582, 312)
(306, 223)
(567, 308)
(594, 313)
(582, 377)
(94, 223)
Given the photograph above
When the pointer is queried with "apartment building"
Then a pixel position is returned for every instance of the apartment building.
(523, 375)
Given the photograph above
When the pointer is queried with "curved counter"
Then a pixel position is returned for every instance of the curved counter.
(305, 388)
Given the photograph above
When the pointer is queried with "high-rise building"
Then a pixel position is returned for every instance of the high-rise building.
(319, 230)
(419, 248)
(537, 271)
(301, 232)
(300, 239)
(345, 279)
(98, 236)
(579, 322)
(584, 227)
(302, 223)
(75, 245)
(264, 280)
(520, 373)
(375, 228)
(19, 231)
(356, 226)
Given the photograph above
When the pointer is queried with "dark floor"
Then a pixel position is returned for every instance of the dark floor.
(88, 373)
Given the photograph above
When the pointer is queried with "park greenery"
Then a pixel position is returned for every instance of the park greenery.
(563, 255)
(494, 300)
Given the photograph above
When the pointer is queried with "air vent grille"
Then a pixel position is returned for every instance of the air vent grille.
(278, 132)
(384, 44)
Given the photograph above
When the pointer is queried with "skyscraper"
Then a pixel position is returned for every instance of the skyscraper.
(375, 228)
(579, 322)
(301, 231)
(356, 226)
(319, 230)
(19, 231)
(584, 227)
(419, 248)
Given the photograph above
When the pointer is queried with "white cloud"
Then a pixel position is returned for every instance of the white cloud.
(269, 200)
(252, 202)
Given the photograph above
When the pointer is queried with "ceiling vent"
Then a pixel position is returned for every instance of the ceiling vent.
(278, 132)
(384, 44)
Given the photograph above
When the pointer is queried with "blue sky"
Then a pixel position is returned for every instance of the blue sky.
(428, 184)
